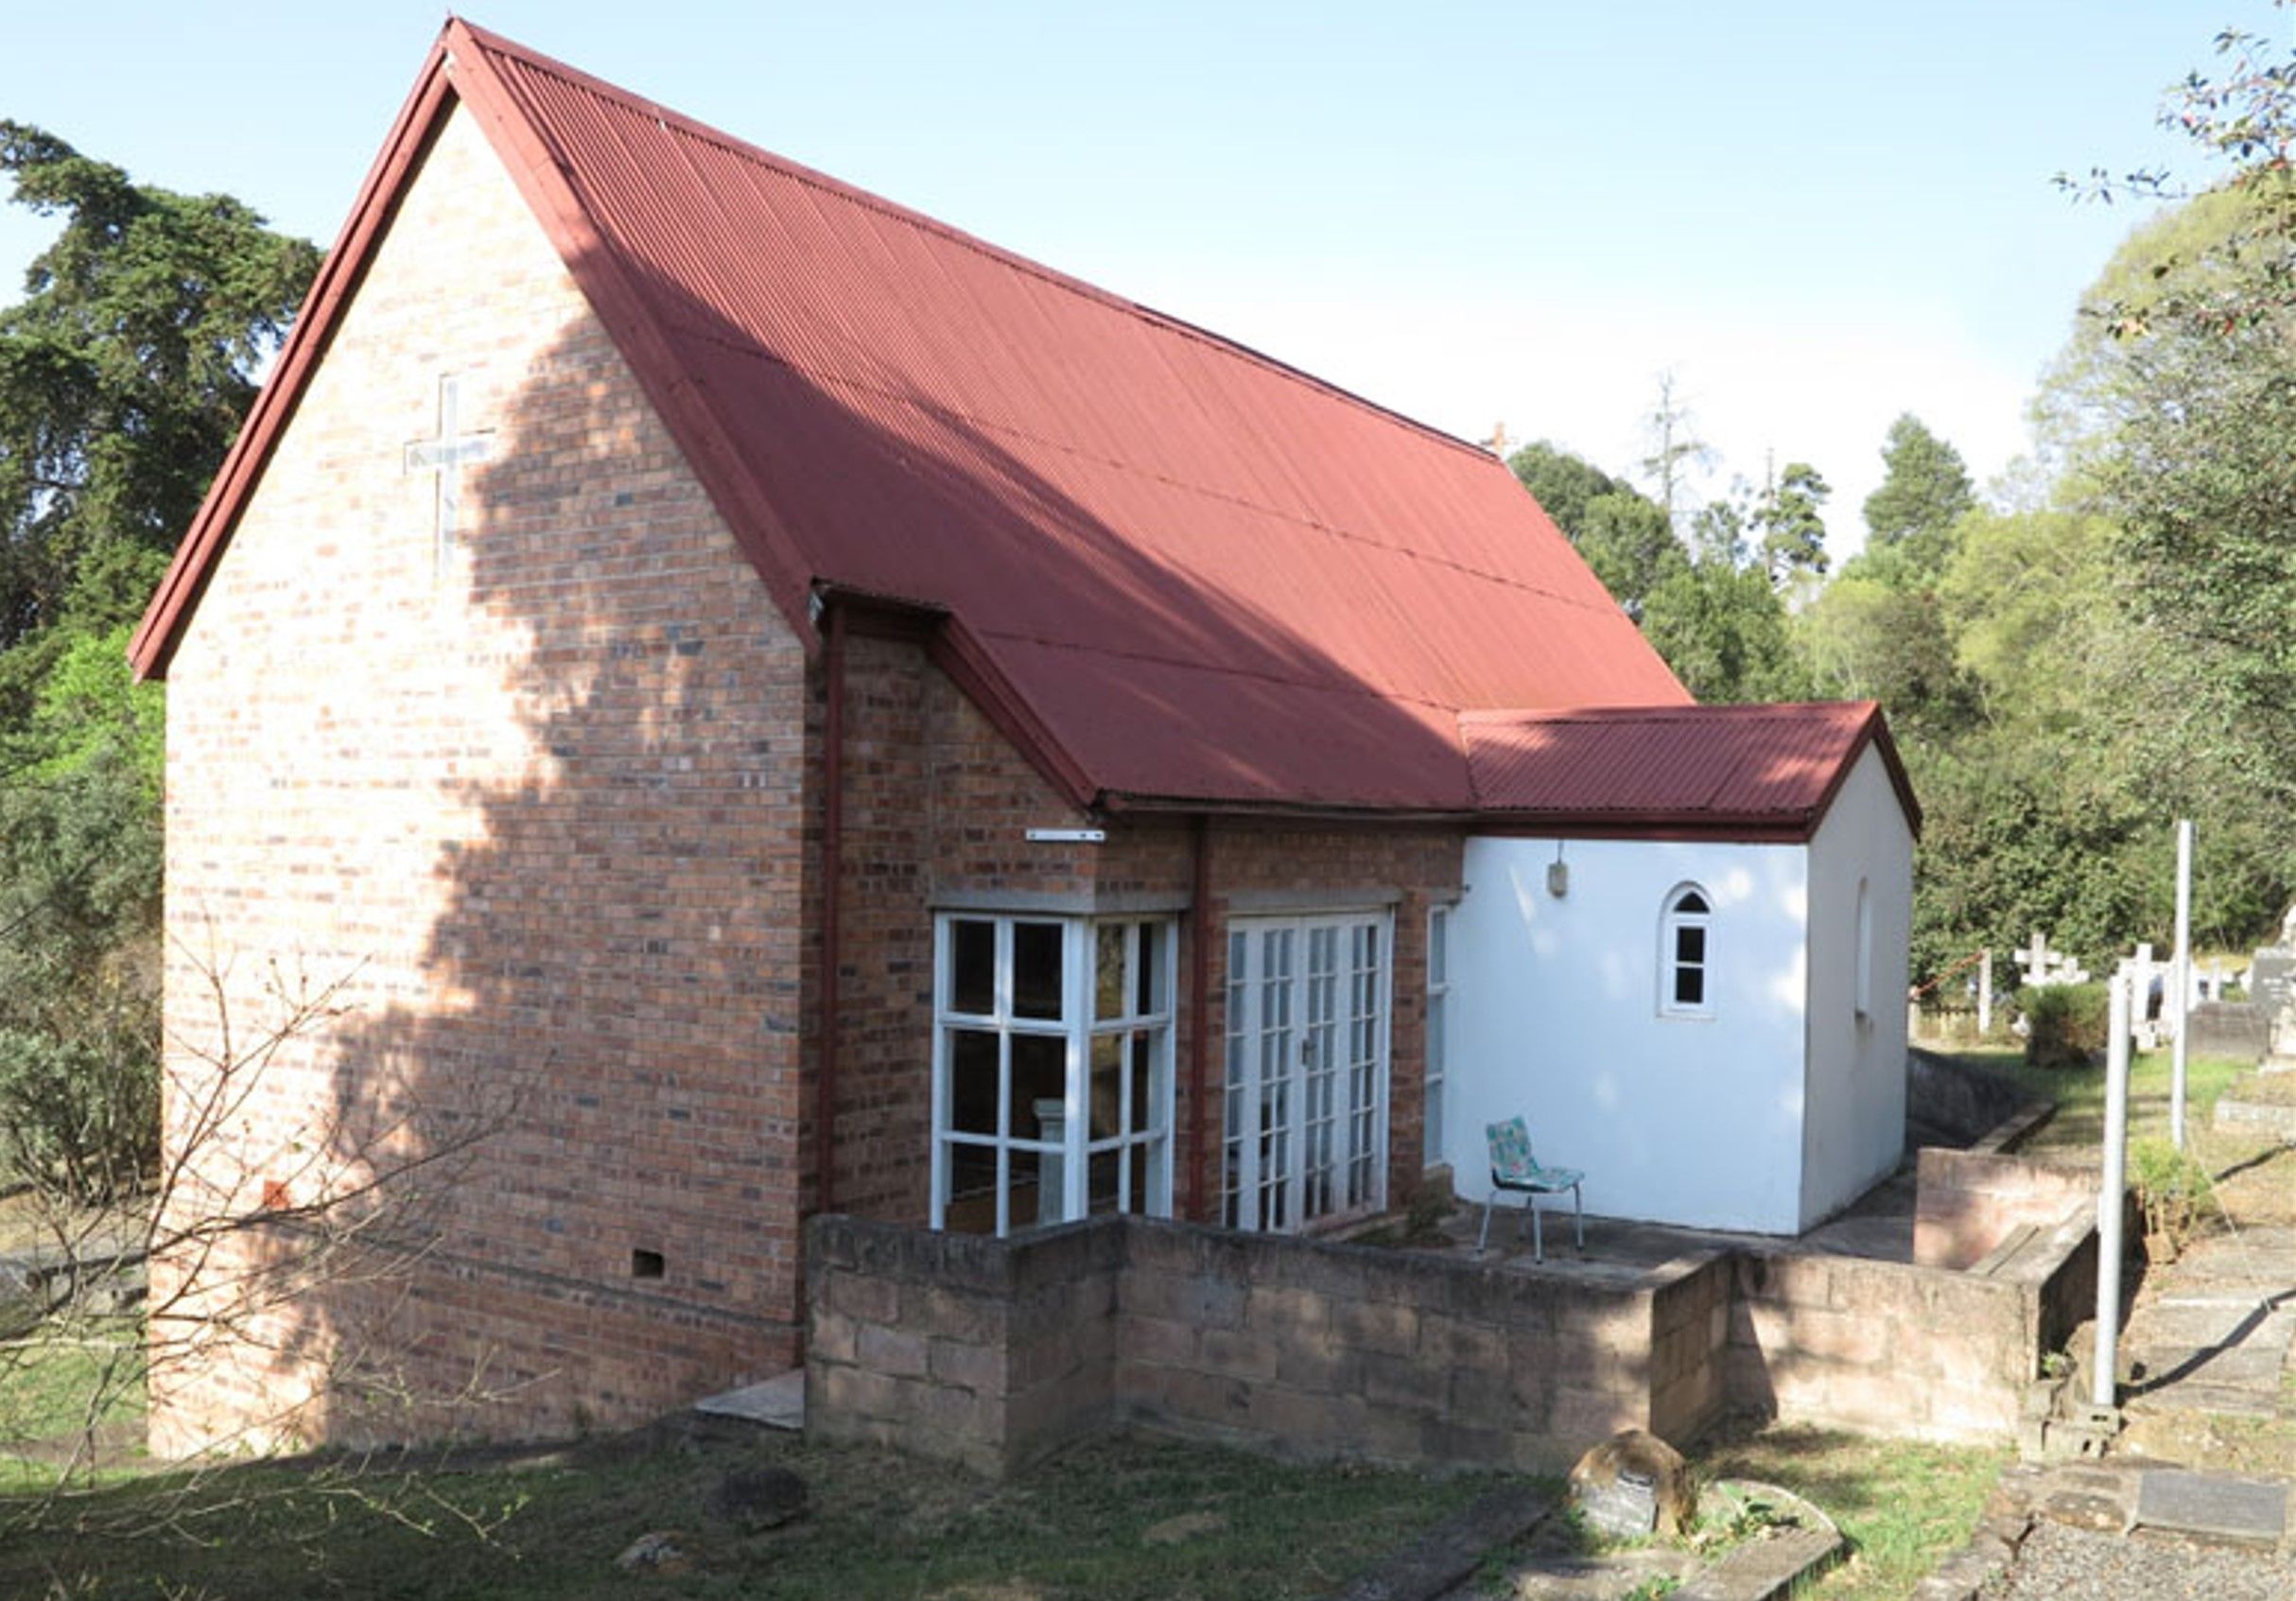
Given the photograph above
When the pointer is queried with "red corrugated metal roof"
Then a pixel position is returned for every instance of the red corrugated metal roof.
(1174, 568)
(1731, 770)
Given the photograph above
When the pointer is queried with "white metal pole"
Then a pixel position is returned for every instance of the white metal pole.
(2111, 1198)
(1985, 994)
(2182, 976)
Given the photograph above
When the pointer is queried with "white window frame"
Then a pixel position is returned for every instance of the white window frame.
(1434, 1035)
(1289, 1202)
(1673, 921)
(1066, 1159)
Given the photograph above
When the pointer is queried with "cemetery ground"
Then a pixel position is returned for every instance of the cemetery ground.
(1121, 1517)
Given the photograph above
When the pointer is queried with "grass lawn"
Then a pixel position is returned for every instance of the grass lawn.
(1123, 1517)
(1099, 1520)
(2079, 1094)
(1903, 1505)
(58, 1391)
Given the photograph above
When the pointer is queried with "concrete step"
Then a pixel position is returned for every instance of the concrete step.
(776, 1404)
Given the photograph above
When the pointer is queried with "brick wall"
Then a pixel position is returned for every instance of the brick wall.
(537, 809)
(938, 805)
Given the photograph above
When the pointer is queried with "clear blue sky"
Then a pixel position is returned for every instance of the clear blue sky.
(1817, 215)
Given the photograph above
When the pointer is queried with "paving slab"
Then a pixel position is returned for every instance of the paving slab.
(1451, 1551)
(2233, 1367)
(776, 1404)
(1767, 1568)
(2213, 1507)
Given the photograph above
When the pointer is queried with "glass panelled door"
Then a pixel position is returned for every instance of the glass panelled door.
(1307, 1070)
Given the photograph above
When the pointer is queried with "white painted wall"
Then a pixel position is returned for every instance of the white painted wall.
(1855, 1130)
(1555, 1017)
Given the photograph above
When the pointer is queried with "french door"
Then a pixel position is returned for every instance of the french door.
(1305, 1135)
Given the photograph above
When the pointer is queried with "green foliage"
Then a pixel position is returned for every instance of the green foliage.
(125, 370)
(1868, 640)
(2175, 1192)
(2069, 1023)
(1562, 483)
(1789, 523)
(1623, 534)
(1924, 492)
(81, 1117)
(124, 373)
(1724, 632)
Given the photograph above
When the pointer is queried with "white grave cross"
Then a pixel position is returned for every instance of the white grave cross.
(444, 456)
(2045, 967)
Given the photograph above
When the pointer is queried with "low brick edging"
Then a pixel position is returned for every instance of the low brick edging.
(995, 1353)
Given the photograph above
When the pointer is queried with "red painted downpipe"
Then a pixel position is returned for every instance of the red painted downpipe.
(832, 875)
(1199, 1018)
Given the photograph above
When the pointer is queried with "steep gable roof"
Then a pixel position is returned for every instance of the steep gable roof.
(1174, 568)
(1735, 772)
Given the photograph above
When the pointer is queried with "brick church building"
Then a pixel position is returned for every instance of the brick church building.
(702, 696)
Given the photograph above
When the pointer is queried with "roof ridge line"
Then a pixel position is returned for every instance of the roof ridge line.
(813, 177)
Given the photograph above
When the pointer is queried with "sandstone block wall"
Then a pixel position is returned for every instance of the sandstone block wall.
(1883, 1347)
(1000, 1351)
(983, 1351)
(1968, 1202)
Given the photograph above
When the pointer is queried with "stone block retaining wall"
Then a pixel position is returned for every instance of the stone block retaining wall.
(994, 1353)
(1968, 1202)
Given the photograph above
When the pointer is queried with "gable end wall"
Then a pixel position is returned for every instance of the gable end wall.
(539, 813)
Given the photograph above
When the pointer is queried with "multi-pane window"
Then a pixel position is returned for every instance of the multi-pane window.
(1131, 1091)
(1439, 1003)
(1052, 1070)
(1306, 1105)
(1683, 958)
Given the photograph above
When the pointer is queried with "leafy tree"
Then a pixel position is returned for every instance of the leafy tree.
(125, 369)
(124, 374)
(1724, 631)
(1866, 640)
(1924, 492)
(1562, 483)
(1788, 519)
(1624, 535)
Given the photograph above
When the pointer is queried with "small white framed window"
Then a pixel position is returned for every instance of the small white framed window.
(1052, 1070)
(1685, 956)
(1439, 1003)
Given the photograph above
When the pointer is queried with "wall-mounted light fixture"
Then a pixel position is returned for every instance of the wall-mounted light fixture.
(1067, 836)
(1558, 874)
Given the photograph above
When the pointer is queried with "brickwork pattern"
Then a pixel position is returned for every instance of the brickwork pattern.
(938, 802)
(538, 806)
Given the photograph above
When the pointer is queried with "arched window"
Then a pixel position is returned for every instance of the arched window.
(1683, 959)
